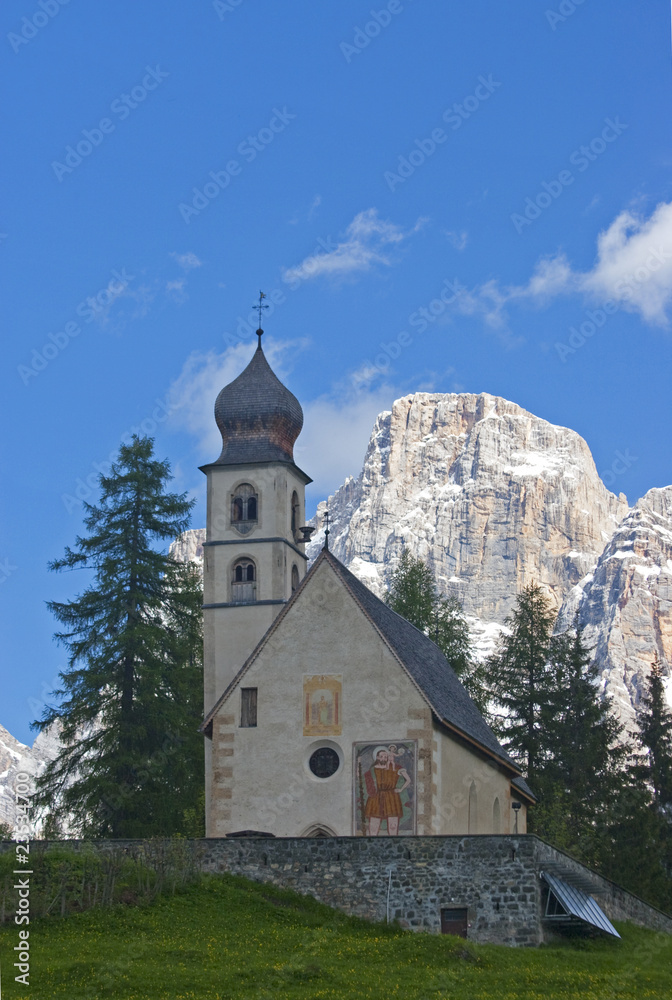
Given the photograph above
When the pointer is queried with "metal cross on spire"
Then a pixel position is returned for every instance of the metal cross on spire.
(327, 522)
(260, 306)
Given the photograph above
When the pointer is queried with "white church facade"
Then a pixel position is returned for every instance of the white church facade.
(326, 713)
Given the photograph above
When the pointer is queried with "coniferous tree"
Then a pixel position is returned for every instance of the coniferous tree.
(412, 592)
(583, 752)
(414, 596)
(638, 840)
(130, 700)
(521, 681)
(654, 724)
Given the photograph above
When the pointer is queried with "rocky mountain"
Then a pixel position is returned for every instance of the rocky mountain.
(17, 758)
(626, 600)
(494, 498)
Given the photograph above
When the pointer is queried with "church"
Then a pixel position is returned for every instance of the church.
(326, 713)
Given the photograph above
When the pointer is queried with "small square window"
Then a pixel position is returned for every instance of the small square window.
(248, 707)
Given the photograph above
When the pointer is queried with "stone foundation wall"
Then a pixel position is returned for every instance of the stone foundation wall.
(411, 879)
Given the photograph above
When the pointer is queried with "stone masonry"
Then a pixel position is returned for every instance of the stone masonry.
(411, 879)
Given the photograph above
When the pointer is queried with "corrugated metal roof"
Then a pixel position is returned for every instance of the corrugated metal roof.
(576, 904)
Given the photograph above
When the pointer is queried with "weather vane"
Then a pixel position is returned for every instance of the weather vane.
(326, 529)
(261, 305)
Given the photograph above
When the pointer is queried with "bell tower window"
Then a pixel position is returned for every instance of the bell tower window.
(244, 508)
(295, 577)
(296, 513)
(243, 582)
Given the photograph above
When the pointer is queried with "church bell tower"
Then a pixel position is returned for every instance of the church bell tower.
(254, 551)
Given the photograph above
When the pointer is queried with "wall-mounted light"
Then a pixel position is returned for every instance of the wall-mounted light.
(516, 806)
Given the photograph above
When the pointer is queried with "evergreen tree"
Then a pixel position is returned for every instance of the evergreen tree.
(130, 701)
(414, 596)
(520, 680)
(638, 840)
(412, 593)
(654, 725)
(583, 753)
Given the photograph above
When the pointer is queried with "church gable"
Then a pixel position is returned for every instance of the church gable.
(321, 702)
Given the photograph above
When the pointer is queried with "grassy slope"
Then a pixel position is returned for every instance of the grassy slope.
(229, 938)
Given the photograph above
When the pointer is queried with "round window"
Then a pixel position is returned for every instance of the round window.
(324, 762)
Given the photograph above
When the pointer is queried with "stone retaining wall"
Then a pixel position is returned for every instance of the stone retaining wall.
(411, 879)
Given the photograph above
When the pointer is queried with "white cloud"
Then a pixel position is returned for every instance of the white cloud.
(187, 261)
(335, 436)
(634, 264)
(458, 240)
(314, 205)
(367, 241)
(633, 268)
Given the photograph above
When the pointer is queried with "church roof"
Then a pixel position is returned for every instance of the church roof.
(258, 417)
(419, 656)
(429, 668)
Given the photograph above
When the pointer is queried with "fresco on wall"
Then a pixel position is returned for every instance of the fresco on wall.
(322, 704)
(384, 788)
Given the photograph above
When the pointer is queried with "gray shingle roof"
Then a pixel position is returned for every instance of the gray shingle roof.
(258, 417)
(429, 669)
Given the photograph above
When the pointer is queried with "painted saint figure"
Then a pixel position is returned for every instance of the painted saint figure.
(384, 798)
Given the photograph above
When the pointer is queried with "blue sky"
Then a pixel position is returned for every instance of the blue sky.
(164, 161)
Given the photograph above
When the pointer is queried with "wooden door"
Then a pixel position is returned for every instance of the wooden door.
(454, 921)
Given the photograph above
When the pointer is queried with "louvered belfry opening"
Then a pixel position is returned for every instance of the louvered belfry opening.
(244, 582)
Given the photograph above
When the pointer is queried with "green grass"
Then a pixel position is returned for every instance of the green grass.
(230, 938)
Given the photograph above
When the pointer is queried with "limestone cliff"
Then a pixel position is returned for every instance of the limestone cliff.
(494, 498)
(491, 496)
(626, 601)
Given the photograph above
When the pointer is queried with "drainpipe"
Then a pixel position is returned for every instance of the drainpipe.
(389, 890)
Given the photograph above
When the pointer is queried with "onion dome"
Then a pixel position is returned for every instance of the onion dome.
(258, 417)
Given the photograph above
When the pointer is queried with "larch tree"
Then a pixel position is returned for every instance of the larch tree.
(129, 705)
(413, 595)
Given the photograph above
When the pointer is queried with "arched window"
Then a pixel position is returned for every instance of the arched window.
(496, 817)
(473, 809)
(243, 582)
(296, 512)
(244, 508)
(295, 577)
